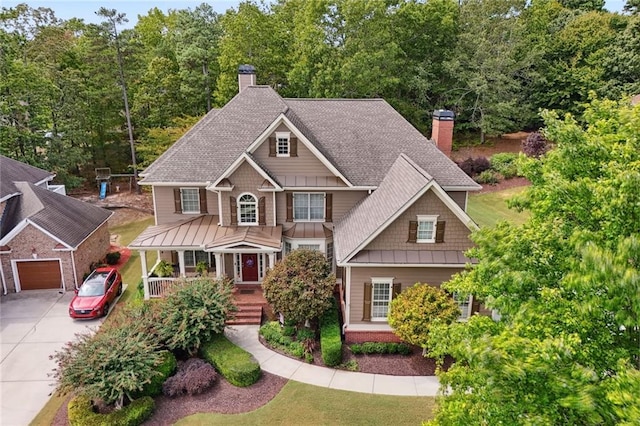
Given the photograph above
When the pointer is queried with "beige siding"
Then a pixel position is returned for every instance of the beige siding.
(343, 201)
(460, 198)
(246, 180)
(305, 164)
(165, 206)
(406, 276)
(395, 236)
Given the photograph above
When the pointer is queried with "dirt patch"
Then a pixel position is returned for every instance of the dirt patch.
(126, 206)
(505, 184)
(507, 143)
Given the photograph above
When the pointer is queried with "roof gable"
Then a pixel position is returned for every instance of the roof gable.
(403, 185)
(15, 171)
(66, 219)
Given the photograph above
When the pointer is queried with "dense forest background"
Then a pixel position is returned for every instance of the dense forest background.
(496, 63)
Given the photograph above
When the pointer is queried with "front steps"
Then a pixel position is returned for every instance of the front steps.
(250, 302)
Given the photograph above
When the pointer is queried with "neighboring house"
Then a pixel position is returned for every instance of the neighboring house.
(352, 178)
(47, 239)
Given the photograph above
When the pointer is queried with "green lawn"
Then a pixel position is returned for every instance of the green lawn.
(489, 208)
(301, 404)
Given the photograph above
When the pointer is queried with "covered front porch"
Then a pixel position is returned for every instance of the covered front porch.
(199, 246)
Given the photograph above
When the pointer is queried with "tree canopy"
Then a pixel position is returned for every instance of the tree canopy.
(566, 283)
(494, 62)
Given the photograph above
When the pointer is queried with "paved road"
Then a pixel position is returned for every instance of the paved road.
(33, 325)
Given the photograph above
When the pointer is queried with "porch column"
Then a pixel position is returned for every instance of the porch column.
(218, 265)
(145, 273)
(183, 273)
(272, 260)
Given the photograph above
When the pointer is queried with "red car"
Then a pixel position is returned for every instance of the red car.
(96, 294)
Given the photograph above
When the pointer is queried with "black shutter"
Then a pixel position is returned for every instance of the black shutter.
(203, 201)
(293, 146)
(440, 226)
(272, 147)
(262, 214)
(328, 208)
(413, 231)
(289, 207)
(177, 200)
(234, 210)
(397, 288)
(366, 307)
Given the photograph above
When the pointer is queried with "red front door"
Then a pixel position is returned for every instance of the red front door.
(250, 267)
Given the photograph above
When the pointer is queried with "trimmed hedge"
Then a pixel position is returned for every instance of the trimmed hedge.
(166, 369)
(80, 411)
(235, 364)
(380, 348)
(330, 338)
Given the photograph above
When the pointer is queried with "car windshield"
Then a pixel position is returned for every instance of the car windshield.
(93, 285)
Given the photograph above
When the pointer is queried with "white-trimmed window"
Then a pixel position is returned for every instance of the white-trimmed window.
(283, 147)
(464, 303)
(286, 247)
(247, 209)
(381, 293)
(330, 253)
(309, 246)
(308, 206)
(193, 257)
(426, 232)
(190, 200)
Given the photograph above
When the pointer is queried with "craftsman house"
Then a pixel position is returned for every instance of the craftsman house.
(351, 178)
(47, 239)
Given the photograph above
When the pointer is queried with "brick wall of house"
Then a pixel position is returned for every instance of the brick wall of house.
(21, 249)
(359, 336)
(406, 276)
(93, 249)
(2, 206)
(246, 180)
(395, 236)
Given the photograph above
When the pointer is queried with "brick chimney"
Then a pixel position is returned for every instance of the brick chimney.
(442, 130)
(246, 77)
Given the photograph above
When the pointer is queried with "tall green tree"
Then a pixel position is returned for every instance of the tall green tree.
(566, 283)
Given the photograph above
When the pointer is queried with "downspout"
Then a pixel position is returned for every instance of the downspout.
(4, 281)
(347, 303)
(75, 272)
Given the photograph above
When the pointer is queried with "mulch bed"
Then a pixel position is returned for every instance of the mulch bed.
(223, 398)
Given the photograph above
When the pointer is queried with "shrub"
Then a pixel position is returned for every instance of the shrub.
(480, 164)
(271, 331)
(505, 164)
(474, 166)
(193, 312)
(535, 145)
(289, 330)
(113, 257)
(488, 177)
(330, 338)
(351, 365)
(305, 334)
(415, 310)
(300, 286)
(234, 363)
(80, 412)
(163, 269)
(369, 348)
(108, 365)
(166, 368)
(194, 376)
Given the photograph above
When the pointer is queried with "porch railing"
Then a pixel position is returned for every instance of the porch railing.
(158, 286)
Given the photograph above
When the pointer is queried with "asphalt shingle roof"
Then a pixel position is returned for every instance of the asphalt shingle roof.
(361, 137)
(402, 183)
(68, 219)
(14, 171)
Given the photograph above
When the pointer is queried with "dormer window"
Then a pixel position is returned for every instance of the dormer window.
(283, 145)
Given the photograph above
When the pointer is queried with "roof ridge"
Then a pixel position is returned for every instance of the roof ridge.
(413, 164)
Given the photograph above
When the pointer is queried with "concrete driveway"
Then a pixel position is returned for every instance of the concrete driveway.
(34, 324)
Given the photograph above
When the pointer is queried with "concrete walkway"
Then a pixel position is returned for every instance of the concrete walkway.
(246, 336)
